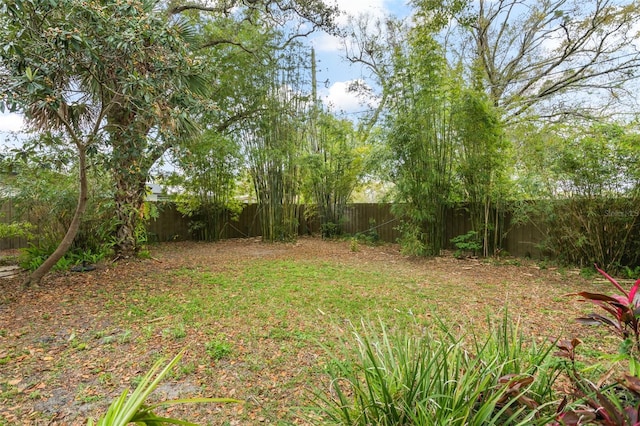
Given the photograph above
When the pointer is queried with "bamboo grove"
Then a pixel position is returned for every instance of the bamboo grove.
(222, 105)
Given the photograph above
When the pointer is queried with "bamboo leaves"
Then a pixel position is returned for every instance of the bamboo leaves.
(422, 139)
(272, 144)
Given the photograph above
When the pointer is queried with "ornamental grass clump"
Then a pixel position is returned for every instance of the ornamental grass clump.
(383, 378)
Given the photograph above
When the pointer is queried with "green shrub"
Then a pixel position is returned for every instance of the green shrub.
(467, 243)
(330, 229)
(587, 200)
(16, 230)
(46, 192)
(433, 379)
(631, 273)
(412, 240)
(33, 256)
(369, 237)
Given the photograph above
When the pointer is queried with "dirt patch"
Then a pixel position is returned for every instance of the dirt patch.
(64, 356)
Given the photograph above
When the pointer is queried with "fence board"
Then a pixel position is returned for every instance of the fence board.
(8, 215)
(521, 240)
(170, 225)
(368, 218)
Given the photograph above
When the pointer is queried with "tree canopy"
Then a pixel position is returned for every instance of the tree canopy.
(483, 103)
(124, 78)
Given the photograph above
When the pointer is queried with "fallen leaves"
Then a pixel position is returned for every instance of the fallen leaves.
(90, 335)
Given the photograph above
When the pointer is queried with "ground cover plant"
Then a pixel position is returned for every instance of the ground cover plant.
(255, 321)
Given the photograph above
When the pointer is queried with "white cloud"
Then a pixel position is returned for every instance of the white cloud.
(327, 43)
(357, 7)
(10, 122)
(341, 99)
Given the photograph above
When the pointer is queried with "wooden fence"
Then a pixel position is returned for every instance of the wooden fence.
(521, 240)
(8, 215)
(171, 225)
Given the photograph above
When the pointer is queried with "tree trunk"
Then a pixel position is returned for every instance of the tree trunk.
(37, 275)
(129, 200)
(130, 166)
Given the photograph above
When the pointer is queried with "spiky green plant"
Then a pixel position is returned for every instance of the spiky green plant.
(132, 409)
(432, 379)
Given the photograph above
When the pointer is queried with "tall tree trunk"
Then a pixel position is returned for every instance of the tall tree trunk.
(37, 275)
(131, 162)
(129, 201)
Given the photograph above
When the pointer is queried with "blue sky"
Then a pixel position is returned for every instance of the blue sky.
(332, 68)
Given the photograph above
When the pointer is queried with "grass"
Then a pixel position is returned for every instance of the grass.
(217, 349)
(277, 291)
(254, 328)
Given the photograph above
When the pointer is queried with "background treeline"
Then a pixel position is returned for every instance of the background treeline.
(522, 115)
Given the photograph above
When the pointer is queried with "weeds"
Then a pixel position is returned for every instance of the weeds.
(217, 349)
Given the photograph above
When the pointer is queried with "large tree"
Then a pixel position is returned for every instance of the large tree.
(548, 58)
(541, 58)
(103, 74)
(123, 77)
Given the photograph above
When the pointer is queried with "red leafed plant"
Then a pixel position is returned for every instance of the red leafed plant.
(604, 405)
(623, 310)
(601, 407)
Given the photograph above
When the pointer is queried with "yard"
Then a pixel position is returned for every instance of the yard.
(253, 318)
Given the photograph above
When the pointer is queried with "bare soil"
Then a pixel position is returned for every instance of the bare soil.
(47, 378)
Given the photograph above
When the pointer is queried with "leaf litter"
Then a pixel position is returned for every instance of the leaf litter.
(69, 347)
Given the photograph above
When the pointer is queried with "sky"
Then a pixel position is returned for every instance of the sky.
(10, 122)
(333, 69)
